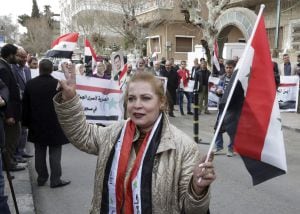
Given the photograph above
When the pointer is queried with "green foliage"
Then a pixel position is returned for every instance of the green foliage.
(8, 29)
(22, 19)
(35, 13)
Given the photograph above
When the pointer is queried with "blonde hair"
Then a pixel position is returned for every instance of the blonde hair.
(156, 84)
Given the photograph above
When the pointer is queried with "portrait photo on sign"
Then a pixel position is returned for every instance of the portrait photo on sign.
(117, 61)
(164, 81)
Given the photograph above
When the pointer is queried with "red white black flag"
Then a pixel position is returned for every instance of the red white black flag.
(89, 53)
(256, 128)
(63, 46)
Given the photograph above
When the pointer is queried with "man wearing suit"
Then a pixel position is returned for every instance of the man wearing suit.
(44, 130)
(22, 74)
(287, 68)
(13, 110)
(4, 94)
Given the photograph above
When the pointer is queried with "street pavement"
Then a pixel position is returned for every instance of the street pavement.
(232, 192)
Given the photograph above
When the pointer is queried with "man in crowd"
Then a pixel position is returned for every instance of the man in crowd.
(221, 88)
(157, 68)
(184, 79)
(172, 85)
(201, 85)
(12, 125)
(287, 68)
(33, 63)
(44, 130)
(22, 74)
(4, 94)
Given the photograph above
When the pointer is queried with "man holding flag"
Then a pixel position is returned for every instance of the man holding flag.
(256, 124)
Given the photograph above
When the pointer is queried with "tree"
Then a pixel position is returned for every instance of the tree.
(40, 28)
(193, 11)
(39, 35)
(35, 13)
(8, 29)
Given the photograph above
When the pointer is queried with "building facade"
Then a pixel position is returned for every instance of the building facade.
(168, 34)
(236, 23)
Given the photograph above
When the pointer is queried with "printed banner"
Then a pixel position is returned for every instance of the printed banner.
(213, 99)
(287, 93)
(102, 99)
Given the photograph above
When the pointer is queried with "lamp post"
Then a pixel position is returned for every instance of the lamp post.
(276, 44)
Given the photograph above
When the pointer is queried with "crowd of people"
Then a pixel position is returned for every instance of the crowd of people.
(155, 154)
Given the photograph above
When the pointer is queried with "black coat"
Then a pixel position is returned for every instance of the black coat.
(13, 108)
(39, 114)
(173, 82)
(4, 94)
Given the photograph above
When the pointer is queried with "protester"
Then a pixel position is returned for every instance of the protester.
(22, 74)
(195, 69)
(80, 69)
(108, 70)
(4, 94)
(33, 62)
(276, 74)
(222, 88)
(12, 125)
(172, 85)
(184, 79)
(169, 179)
(201, 85)
(100, 70)
(174, 66)
(157, 68)
(287, 68)
(44, 130)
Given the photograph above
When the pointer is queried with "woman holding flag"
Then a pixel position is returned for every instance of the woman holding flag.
(145, 164)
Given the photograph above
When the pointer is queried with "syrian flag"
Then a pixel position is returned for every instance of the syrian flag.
(89, 53)
(123, 76)
(216, 56)
(63, 46)
(253, 117)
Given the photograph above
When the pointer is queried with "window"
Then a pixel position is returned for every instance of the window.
(155, 44)
(184, 44)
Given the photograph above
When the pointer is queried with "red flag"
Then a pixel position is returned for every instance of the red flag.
(63, 46)
(90, 54)
(257, 130)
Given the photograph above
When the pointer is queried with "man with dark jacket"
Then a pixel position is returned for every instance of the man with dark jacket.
(44, 130)
(172, 85)
(22, 74)
(201, 85)
(12, 125)
(4, 94)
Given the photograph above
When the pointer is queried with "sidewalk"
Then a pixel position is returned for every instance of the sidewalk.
(291, 121)
(22, 182)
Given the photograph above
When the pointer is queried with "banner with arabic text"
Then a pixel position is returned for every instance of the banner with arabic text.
(287, 93)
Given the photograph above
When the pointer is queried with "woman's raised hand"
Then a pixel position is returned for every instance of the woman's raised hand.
(68, 86)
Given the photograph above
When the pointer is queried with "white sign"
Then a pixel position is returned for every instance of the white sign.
(213, 99)
(287, 93)
(102, 100)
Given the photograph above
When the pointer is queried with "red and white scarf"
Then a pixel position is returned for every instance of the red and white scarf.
(129, 201)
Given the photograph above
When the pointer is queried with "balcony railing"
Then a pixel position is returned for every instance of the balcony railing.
(150, 5)
(79, 6)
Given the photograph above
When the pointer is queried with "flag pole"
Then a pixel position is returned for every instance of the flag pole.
(262, 6)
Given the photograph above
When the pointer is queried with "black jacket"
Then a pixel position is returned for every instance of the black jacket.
(5, 95)
(13, 108)
(39, 114)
